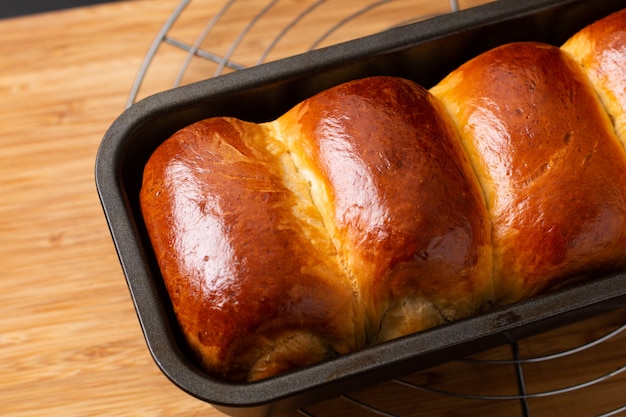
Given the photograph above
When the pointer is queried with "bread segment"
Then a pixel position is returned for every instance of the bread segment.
(552, 168)
(254, 281)
(400, 201)
(600, 49)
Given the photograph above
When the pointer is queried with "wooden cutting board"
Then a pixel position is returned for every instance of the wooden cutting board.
(70, 342)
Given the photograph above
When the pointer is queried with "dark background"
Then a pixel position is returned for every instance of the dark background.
(12, 8)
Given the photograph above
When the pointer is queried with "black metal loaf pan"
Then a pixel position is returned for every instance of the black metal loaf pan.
(424, 52)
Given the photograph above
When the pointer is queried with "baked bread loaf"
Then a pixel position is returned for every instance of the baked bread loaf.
(377, 208)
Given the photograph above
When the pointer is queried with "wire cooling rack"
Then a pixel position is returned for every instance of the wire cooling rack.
(206, 38)
(577, 370)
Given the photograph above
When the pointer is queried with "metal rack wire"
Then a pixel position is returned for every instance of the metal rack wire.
(194, 45)
(523, 361)
(215, 51)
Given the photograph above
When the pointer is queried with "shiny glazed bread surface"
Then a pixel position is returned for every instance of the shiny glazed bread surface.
(376, 209)
(548, 158)
(600, 49)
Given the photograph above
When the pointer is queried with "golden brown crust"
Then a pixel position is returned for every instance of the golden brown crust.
(237, 262)
(552, 168)
(402, 202)
(600, 48)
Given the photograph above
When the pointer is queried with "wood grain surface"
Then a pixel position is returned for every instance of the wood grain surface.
(70, 342)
